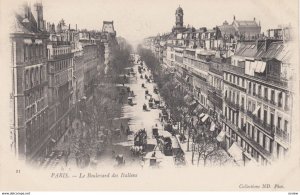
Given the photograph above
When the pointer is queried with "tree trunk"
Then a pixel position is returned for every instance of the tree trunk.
(204, 159)
(193, 153)
(199, 155)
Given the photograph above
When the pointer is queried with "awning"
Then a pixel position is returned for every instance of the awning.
(198, 109)
(175, 143)
(221, 136)
(256, 110)
(195, 120)
(202, 115)
(205, 118)
(187, 98)
(263, 67)
(236, 152)
(256, 66)
(165, 134)
(212, 126)
(193, 102)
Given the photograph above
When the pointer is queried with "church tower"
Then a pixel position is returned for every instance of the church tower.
(178, 21)
(179, 17)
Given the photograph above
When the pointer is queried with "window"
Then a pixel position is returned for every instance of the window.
(266, 93)
(259, 90)
(285, 125)
(254, 89)
(243, 102)
(272, 96)
(25, 51)
(286, 101)
(279, 122)
(249, 88)
(238, 81)
(243, 82)
(265, 116)
(280, 99)
(272, 120)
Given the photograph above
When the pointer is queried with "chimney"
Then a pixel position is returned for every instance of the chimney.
(254, 19)
(69, 26)
(76, 27)
(233, 17)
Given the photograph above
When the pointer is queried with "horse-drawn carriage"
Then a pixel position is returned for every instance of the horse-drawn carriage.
(120, 160)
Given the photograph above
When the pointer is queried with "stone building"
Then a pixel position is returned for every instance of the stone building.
(258, 101)
(60, 93)
(29, 127)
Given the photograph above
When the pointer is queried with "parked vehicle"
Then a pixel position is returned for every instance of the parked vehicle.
(150, 102)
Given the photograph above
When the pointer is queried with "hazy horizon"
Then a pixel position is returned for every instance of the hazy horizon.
(137, 19)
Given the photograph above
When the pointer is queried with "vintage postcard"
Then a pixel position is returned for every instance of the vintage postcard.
(149, 95)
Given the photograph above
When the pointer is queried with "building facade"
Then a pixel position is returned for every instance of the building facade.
(60, 93)
(241, 78)
(29, 128)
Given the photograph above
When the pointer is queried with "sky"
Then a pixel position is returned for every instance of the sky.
(137, 19)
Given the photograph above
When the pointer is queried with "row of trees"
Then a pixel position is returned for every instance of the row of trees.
(105, 105)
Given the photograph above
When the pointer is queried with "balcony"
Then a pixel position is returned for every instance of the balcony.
(235, 86)
(250, 114)
(216, 70)
(272, 102)
(263, 125)
(282, 135)
(242, 109)
(235, 69)
(232, 104)
(61, 56)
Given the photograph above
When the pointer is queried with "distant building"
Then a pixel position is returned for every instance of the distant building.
(241, 80)
(108, 37)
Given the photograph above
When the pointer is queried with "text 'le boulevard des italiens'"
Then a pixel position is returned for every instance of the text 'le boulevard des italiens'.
(192, 97)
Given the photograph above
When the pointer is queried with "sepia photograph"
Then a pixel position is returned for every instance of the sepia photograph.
(149, 95)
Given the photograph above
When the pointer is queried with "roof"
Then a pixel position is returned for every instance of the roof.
(226, 29)
(18, 27)
(246, 49)
(246, 23)
(278, 51)
(246, 26)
